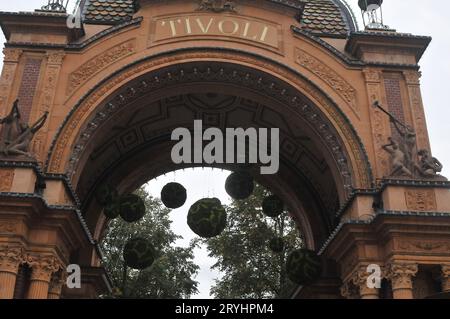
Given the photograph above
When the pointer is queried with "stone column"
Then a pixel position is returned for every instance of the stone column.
(42, 271)
(10, 260)
(56, 284)
(360, 280)
(446, 278)
(401, 275)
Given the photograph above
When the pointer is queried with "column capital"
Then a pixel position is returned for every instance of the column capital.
(57, 282)
(401, 274)
(412, 77)
(10, 258)
(12, 55)
(372, 75)
(360, 279)
(55, 57)
(43, 267)
(445, 275)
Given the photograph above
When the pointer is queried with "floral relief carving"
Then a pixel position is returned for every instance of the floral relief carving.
(421, 200)
(6, 179)
(8, 227)
(331, 77)
(98, 63)
(43, 267)
(424, 246)
(12, 55)
(11, 258)
(67, 134)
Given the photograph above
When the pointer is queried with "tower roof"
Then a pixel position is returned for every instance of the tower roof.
(320, 17)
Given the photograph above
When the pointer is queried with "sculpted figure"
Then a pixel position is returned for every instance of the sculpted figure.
(11, 127)
(409, 142)
(16, 135)
(398, 158)
(428, 166)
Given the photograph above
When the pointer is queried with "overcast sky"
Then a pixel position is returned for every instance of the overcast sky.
(411, 16)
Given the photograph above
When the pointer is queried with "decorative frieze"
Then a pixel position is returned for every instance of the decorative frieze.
(6, 179)
(420, 200)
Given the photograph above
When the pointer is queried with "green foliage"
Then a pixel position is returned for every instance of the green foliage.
(207, 217)
(171, 274)
(250, 269)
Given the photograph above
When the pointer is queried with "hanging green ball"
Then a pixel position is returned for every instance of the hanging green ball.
(106, 194)
(132, 208)
(240, 185)
(112, 211)
(139, 254)
(276, 245)
(272, 206)
(304, 267)
(207, 218)
(173, 195)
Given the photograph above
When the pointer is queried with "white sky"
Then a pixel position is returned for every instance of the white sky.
(411, 16)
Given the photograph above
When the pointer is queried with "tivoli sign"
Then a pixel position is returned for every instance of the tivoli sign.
(207, 25)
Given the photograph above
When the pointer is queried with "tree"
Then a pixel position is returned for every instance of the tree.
(250, 269)
(171, 274)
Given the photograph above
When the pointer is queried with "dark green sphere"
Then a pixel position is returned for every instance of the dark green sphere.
(132, 208)
(276, 245)
(173, 195)
(304, 267)
(207, 218)
(106, 194)
(112, 211)
(272, 206)
(240, 185)
(139, 253)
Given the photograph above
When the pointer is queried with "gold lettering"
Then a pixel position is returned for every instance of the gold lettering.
(264, 34)
(236, 27)
(202, 27)
(172, 26)
(247, 26)
(188, 26)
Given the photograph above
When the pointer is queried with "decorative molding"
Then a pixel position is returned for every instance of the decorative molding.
(329, 76)
(98, 63)
(421, 199)
(421, 246)
(6, 179)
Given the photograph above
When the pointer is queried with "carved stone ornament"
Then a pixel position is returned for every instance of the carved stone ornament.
(217, 6)
(401, 275)
(11, 258)
(17, 135)
(43, 267)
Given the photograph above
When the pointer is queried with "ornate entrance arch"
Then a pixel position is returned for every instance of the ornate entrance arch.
(115, 93)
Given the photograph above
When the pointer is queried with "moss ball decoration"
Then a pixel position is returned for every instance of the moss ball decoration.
(139, 253)
(207, 218)
(173, 195)
(240, 185)
(106, 194)
(112, 211)
(272, 206)
(132, 208)
(304, 267)
(276, 245)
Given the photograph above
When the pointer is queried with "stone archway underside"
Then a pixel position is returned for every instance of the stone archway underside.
(136, 121)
